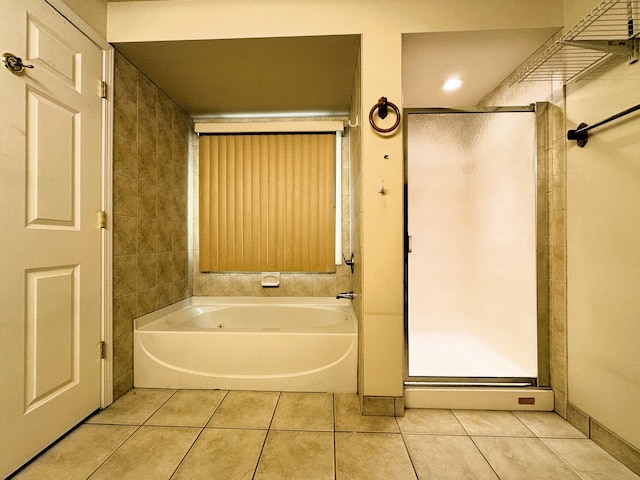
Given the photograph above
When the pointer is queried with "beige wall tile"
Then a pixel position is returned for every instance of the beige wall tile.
(125, 196)
(378, 406)
(616, 446)
(579, 420)
(125, 156)
(147, 236)
(146, 271)
(126, 80)
(147, 127)
(150, 131)
(122, 384)
(350, 419)
(125, 118)
(125, 235)
(125, 275)
(147, 168)
(147, 301)
(125, 309)
(146, 201)
(122, 354)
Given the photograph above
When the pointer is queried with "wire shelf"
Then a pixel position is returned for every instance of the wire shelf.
(613, 21)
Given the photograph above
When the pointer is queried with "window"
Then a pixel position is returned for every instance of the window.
(267, 202)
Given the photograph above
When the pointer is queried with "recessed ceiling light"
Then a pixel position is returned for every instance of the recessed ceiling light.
(452, 83)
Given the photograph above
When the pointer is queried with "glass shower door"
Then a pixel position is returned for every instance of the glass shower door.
(471, 270)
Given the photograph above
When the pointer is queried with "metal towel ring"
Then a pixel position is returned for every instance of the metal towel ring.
(382, 106)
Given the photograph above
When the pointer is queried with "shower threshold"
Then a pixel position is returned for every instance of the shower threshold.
(478, 396)
(471, 382)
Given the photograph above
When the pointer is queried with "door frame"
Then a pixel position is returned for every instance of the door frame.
(106, 308)
(540, 109)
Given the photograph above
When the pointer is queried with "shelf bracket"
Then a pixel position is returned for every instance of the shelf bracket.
(630, 47)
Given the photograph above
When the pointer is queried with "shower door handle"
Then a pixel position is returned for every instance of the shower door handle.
(409, 243)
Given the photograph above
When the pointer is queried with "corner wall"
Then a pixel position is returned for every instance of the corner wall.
(150, 262)
(603, 237)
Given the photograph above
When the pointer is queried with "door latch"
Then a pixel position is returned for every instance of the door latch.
(14, 64)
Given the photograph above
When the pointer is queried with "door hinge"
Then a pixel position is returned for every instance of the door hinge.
(103, 350)
(103, 89)
(102, 219)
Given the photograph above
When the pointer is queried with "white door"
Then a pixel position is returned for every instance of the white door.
(50, 240)
(471, 214)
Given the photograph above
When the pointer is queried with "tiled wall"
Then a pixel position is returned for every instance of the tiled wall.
(291, 284)
(150, 247)
(356, 213)
(558, 250)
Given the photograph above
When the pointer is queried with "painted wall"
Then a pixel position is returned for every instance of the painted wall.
(381, 24)
(603, 236)
(94, 12)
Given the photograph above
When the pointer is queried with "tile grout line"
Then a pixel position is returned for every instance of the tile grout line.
(138, 427)
(404, 442)
(474, 443)
(561, 458)
(264, 443)
(186, 453)
(453, 412)
(202, 429)
(115, 450)
(525, 425)
(485, 458)
(335, 449)
(159, 407)
(215, 410)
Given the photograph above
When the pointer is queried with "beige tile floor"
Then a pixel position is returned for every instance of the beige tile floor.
(197, 434)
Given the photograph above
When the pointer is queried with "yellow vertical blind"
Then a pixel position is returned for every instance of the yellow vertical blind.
(267, 202)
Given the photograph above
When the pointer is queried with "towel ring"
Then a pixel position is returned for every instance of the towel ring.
(382, 106)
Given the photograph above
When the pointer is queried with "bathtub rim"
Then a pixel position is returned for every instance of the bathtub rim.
(322, 302)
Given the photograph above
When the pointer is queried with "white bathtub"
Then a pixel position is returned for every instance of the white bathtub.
(248, 343)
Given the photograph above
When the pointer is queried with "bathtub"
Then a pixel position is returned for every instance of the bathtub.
(248, 343)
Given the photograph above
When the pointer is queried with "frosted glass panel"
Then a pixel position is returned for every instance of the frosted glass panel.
(472, 268)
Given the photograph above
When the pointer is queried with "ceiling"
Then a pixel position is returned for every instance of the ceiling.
(257, 76)
(314, 75)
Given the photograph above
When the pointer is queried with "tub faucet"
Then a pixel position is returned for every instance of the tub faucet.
(348, 295)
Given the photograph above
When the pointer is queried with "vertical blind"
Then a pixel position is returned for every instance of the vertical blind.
(267, 202)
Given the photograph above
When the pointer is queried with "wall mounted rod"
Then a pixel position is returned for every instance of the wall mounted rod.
(581, 134)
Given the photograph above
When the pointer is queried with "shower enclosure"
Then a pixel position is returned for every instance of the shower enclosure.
(471, 264)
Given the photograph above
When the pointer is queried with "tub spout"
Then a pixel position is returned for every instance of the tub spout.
(348, 295)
